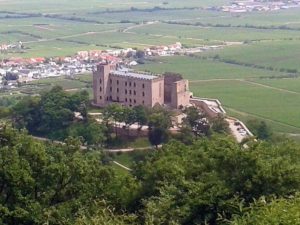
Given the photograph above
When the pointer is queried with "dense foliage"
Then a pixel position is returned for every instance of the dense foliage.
(42, 183)
(281, 211)
(204, 177)
(209, 181)
(52, 111)
(53, 115)
(213, 181)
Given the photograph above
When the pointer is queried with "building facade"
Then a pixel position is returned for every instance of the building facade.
(119, 85)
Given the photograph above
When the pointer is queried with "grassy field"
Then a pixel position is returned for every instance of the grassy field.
(59, 28)
(213, 33)
(292, 85)
(66, 6)
(277, 53)
(199, 69)
(242, 91)
(245, 98)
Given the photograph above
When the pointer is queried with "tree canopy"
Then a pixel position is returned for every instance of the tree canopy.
(208, 181)
(52, 111)
(42, 183)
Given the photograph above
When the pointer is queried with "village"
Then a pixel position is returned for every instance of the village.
(23, 70)
(259, 5)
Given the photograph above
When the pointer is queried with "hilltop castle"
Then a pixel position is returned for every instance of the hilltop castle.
(121, 85)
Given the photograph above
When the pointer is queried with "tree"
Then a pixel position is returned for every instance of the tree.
(260, 129)
(101, 213)
(50, 113)
(278, 211)
(129, 116)
(11, 76)
(92, 132)
(201, 127)
(186, 135)
(114, 113)
(140, 54)
(159, 117)
(157, 136)
(159, 124)
(220, 125)
(141, 115)
(211, 180)
(51, 183)
(192, 115)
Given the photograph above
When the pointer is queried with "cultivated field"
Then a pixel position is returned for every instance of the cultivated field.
(256, 76)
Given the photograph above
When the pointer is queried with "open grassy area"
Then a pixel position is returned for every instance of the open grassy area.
(51, 28)
(276, 54)
(247, 99)
(130, 158)
(64, 82)
(58, 28)
(213, 33)
(199, 69)
(286, 84)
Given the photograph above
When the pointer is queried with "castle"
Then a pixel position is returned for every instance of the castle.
(112, 83)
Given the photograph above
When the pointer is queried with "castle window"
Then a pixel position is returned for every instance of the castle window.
(100, 89)
(143, 85)
(126, 83)
(129, 84)
(134, 84)
(100, 81)
(160, 90)
(130, 100)
(143, 94)
(118, 90)
(110, 89)
(125, 91)
(100, 97)
(134, 92)
(126, 100)
(134, 101)
(130, 92)
(117, 82)
(143, 102)
(110, 81)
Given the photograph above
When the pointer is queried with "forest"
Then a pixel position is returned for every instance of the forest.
(195, 178)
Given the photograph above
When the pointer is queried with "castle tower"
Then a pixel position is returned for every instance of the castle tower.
(100, 83)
